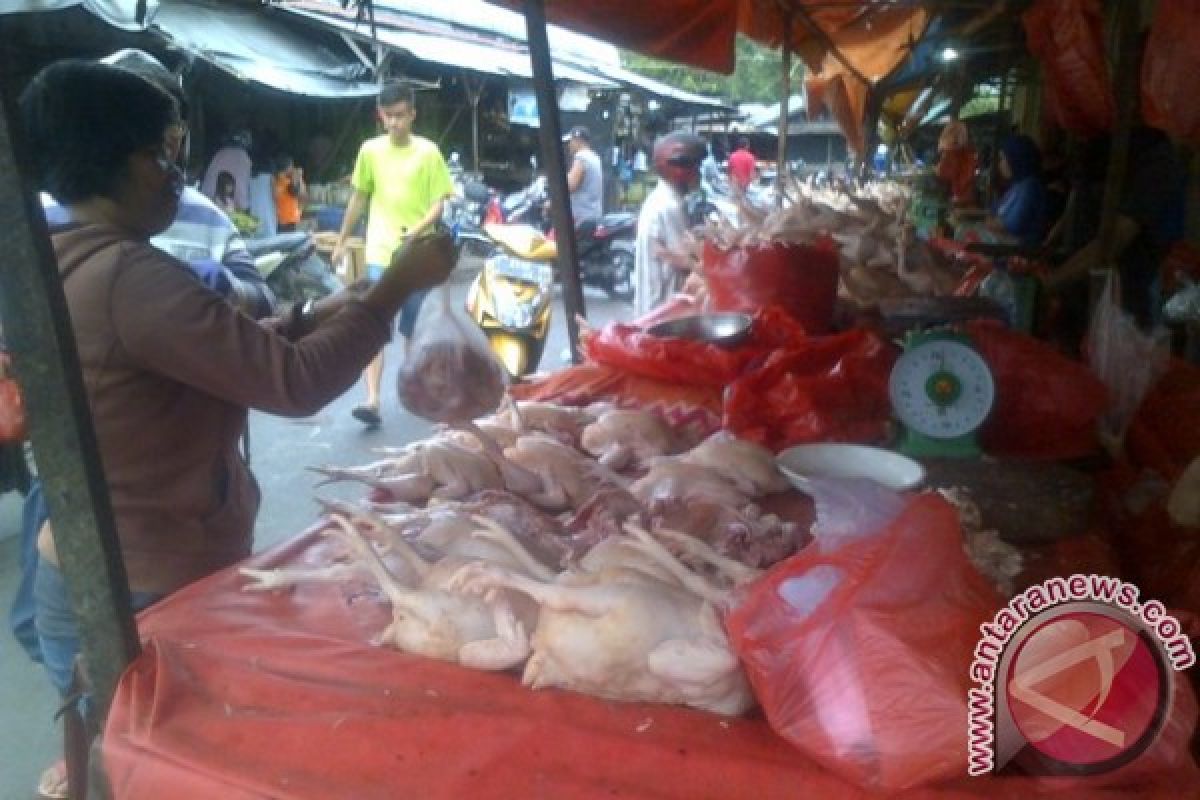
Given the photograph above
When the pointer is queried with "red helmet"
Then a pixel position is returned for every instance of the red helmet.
(677, 158)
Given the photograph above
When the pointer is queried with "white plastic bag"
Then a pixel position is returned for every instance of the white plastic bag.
(1127, 360)
(450, 374)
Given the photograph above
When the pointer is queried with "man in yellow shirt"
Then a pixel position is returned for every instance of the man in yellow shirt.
(401, 178)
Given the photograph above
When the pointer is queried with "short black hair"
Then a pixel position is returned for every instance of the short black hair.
(86, 120)
(393, 93)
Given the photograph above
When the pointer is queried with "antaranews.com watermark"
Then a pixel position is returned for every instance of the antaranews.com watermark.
(1081, 669)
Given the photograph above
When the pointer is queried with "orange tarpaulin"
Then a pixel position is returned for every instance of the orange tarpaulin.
(701, 33)
(278, 695)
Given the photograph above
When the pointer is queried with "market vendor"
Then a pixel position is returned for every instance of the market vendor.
(660, 257)
(1021, 210)
(170, 367)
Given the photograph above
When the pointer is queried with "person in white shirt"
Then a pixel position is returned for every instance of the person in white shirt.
(660, 263)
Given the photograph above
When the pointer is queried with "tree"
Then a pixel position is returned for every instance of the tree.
(755, 79)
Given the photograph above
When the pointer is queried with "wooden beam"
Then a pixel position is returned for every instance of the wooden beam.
(550, 137)
(1126, 21)
(38, 331)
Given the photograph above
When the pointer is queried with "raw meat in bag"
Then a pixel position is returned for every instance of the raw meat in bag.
(450, 375)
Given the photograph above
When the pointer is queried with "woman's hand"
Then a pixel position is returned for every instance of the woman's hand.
(421, 262)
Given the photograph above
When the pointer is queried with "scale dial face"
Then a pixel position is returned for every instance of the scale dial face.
(942, 389)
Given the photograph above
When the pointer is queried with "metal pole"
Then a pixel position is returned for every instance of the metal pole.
(781, 165)
(550, 137)
(39, 336)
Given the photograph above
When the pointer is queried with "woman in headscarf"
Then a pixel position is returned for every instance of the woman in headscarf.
(1021, 211)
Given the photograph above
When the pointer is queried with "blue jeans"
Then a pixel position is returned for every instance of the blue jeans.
(21, 615)
(411, 307)
(57, 633)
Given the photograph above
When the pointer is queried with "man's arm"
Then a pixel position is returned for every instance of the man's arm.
(431, 217)
(575, 175)
(354, 211)
(1088, 257)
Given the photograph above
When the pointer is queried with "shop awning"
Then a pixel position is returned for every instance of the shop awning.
(441, 41)
(254, 45)
(249, 43)
(118, 13)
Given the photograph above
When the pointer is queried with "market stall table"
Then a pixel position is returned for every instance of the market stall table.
(280, 694)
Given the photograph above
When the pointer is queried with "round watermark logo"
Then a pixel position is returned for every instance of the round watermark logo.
(1074, 676)
(1087, 690)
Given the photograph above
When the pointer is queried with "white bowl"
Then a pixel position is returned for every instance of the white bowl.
(850, 461)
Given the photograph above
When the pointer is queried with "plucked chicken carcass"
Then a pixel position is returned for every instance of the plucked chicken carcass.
(429, 619)
(625, 635)
(437, 468)
(565, 476)
(748, 466)
(743, 533)
(673, 480)
(563, 423)
(621, 439)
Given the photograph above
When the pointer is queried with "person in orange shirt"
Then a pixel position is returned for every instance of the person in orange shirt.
(290, 194)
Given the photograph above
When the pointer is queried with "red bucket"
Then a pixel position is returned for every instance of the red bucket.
(802, 279)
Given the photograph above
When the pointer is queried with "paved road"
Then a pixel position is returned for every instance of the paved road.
(281, 449)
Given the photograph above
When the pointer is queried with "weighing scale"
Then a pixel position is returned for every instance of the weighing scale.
(941, 391)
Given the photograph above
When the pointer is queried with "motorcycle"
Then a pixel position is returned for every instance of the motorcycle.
(464, 215)
(606, 253)
(524, 207)
(292, 268)
(511, 299)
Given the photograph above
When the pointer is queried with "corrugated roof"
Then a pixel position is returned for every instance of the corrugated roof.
(248, 43)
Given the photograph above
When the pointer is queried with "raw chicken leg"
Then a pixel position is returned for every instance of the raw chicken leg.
(482, 633)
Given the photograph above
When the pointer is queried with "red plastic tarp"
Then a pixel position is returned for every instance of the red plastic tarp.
(243, 695)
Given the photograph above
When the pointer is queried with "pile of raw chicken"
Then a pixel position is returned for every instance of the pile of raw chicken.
(596, 547)
(880, 257)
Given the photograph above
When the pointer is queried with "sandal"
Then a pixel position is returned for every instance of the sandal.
(53, 783)
(369, 416)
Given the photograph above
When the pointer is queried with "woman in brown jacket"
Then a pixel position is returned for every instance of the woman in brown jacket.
(170, 367)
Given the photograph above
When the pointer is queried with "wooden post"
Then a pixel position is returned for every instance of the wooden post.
(38, 331)
(1125, 85)
(550, 137)
(781, 165)
(474, 93)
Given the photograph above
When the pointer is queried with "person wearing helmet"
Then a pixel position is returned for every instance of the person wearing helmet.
(659, 258)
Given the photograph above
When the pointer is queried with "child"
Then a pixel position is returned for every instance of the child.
(226, 192)
(290, 194)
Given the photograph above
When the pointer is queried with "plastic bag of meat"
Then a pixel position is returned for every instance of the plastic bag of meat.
(450, 374)
(859, 653)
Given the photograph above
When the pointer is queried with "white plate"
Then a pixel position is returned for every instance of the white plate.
(850, 461)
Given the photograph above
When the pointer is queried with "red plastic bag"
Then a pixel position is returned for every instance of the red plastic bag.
(803, 280)
(1047, 405)
(830, 388)
(687, 362)
(1165, 432)
(1067, 37)
(12, 412)
(871, 679)
(1170, 64)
